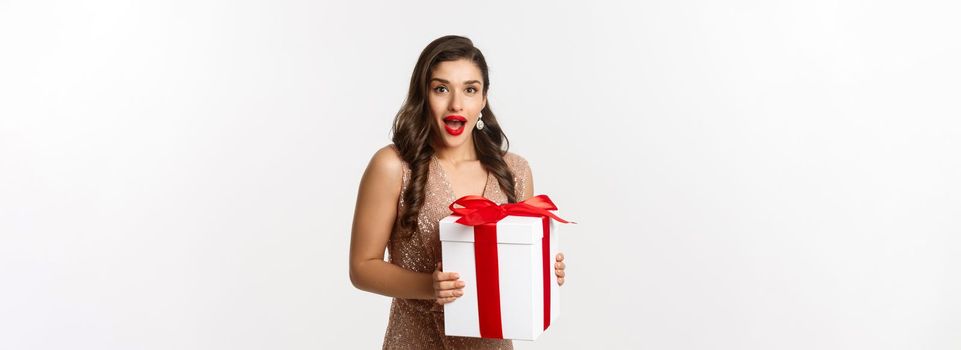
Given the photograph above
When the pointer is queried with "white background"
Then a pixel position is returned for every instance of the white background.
(746, 174)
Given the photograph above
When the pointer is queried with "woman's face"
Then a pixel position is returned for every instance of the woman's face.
(456, 99)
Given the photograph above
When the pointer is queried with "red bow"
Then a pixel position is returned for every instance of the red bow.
(478, 210)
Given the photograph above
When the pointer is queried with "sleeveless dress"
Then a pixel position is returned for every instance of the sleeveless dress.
(418, 323)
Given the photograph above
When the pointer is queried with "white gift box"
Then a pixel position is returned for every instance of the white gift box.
(520, 271)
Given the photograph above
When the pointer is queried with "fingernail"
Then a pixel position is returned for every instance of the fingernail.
(456, 275)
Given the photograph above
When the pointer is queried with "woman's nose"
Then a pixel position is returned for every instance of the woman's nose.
(455, 102)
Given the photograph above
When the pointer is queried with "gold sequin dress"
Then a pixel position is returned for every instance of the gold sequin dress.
(416, 323)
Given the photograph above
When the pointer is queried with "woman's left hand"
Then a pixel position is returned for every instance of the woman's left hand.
(559, 268)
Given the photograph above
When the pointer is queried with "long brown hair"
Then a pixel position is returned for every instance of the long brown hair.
(413, 131)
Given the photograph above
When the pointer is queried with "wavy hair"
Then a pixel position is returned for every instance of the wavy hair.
(413, 132)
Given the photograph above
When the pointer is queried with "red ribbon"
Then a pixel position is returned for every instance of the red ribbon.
(484, 214)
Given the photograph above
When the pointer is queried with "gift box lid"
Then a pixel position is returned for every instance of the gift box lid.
(510, 230)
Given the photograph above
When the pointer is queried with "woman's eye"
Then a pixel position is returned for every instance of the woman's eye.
(440, 89)
(471, 90)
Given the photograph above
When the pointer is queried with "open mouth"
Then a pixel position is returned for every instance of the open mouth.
(454, 124)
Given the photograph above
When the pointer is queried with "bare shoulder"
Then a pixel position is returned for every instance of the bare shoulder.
(388, 157)
(386, 166)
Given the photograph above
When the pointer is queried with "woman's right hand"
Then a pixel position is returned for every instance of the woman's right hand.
(447, 286)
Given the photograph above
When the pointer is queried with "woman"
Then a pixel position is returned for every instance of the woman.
(446, 144)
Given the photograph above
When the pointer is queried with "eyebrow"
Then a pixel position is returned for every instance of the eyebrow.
(448, 82)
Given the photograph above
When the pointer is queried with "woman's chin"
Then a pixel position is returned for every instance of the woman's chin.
(452, 141)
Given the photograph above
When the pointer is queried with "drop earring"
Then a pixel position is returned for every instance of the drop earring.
(480, 122)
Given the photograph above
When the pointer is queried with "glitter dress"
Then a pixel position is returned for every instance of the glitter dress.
(417, 323)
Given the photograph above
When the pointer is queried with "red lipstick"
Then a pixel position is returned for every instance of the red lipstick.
(454, 124)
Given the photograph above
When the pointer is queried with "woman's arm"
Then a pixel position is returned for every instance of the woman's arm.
(374, 217)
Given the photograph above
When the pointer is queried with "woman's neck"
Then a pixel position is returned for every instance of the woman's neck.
(456, 155)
